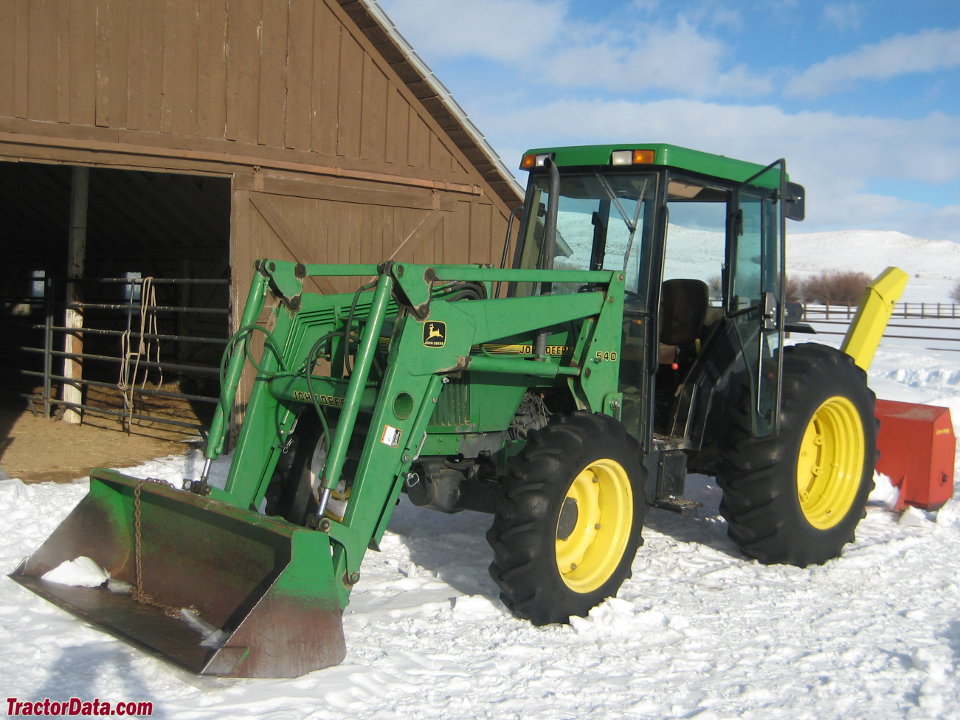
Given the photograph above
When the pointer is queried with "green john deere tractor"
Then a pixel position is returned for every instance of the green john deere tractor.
(638, 334)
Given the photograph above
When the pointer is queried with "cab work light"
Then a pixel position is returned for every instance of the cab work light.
(532, 160)
(632, 157)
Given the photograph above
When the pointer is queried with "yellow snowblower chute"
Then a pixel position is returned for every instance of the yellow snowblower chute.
(873, 314)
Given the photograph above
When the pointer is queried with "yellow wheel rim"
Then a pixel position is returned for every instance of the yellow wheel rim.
(594, 525)
(830, 464)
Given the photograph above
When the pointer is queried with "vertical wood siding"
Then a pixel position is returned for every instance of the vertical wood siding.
(290, 80)
(278, 74)
(319, 230)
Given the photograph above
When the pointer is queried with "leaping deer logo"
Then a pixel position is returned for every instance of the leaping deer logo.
(435, 334)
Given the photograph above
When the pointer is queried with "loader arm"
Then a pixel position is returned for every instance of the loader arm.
(398, 401)
(271, 592)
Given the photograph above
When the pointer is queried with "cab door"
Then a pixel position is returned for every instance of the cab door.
(754, 293)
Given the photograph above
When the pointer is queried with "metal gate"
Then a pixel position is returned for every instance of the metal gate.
(141, 349)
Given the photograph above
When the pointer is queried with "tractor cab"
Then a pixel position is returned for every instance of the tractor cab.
(699, 238)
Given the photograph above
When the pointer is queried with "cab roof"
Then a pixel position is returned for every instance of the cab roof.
(660, 154)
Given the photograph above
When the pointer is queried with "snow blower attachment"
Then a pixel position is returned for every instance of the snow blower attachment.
(916, 444)
(917, 452)
(548, 405)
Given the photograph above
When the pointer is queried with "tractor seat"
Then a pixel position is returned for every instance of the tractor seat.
(683, 310)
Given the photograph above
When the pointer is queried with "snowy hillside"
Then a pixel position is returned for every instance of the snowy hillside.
(933, 267)
(699, 631)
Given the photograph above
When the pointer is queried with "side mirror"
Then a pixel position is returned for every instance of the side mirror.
(794, 201)
(792, 312)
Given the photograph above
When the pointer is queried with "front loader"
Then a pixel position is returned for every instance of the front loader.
(638, 334)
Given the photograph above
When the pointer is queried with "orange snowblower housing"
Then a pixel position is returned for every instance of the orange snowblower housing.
(917, 452)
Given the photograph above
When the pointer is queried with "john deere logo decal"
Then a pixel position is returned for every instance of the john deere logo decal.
(435, 334)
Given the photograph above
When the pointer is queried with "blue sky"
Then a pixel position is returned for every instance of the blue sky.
(862, 98)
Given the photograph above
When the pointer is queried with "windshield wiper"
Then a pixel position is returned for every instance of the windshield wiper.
(615, 199)
(631, 225)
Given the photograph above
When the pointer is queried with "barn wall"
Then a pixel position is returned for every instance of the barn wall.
(292, 93)
(337, 148)
(332, 221)
(288, 81)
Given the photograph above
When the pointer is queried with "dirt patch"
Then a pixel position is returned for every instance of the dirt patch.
(37, 449)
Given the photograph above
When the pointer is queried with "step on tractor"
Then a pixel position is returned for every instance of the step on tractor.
(637, 335)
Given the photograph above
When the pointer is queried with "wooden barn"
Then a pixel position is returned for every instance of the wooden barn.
(151, 150)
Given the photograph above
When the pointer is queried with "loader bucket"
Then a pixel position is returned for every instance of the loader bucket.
(264, 589)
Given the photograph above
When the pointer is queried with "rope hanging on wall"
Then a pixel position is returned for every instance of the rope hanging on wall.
(147, 349)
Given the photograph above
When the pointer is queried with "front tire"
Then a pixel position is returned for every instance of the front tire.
(798, 497)
(568, 522)
(291, 491)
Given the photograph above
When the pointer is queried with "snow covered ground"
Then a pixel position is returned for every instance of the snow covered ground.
(699, 631)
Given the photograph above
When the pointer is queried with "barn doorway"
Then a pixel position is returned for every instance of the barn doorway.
(114, 296)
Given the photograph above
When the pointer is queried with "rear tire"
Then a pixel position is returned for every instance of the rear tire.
(797, 498)
(567, 524)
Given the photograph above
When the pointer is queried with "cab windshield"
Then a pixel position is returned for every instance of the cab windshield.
(603, 223)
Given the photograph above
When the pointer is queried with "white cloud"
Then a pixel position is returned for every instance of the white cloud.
(715, 13)
(644, 6)
(677, 60)
(727, 16)
(926, 51)
(843, 16)
(540, 39)
(506, 31)
(652, 50)
(935, 224)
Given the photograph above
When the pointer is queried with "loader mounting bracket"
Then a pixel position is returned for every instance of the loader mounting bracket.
(288, 289)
